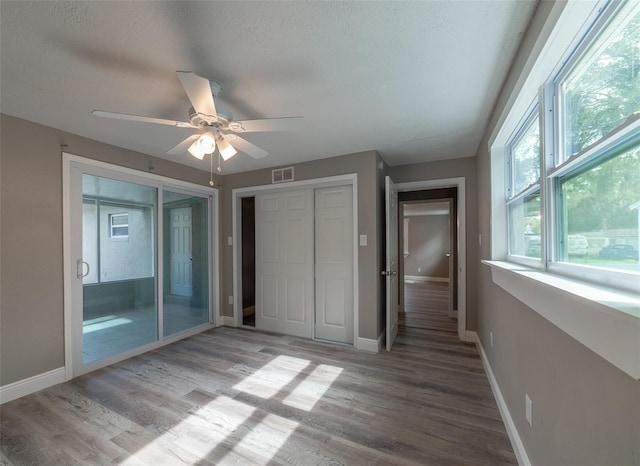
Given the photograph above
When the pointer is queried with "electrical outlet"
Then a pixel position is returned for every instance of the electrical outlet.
(230, 299)
(528, 408)
(419, 269)
(491, 339)
(229, 240)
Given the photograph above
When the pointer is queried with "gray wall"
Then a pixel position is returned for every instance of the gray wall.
(463, 167)
(364, 164)
(31, 303)
(428, 243)
(585, 410)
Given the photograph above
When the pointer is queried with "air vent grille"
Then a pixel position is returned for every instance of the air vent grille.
(282, 175)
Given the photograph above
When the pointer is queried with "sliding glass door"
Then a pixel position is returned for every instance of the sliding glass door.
(139, 262)
(119, 305)
(186, 252)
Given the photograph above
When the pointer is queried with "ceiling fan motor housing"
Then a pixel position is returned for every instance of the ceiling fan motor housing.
(221, 120)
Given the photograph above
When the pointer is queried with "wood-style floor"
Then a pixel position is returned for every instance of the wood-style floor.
(426, 305)
(233, 396)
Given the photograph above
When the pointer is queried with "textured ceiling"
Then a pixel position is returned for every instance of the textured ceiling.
(415, 81)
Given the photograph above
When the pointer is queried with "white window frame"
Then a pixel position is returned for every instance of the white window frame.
(604, 318)
(72, 317)
(513, 197)
(558, 163)
(113, 227)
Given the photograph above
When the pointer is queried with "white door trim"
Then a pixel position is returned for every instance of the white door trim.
(70, 162)
(238, 193)
(461, 245)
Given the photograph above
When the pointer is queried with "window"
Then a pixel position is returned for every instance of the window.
(523, 191)
(571, 209)
(119, 225)
(601, 90)
(585, 200)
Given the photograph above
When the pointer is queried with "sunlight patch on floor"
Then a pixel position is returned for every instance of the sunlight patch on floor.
(201, 432)
(313, 387)
(264, 440)
(101, 323)
(273, 377)
(227, 431)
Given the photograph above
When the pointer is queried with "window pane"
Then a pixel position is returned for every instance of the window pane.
(524, 227)
(599, 211)
(186, 257)
(525, 157)
(119, 304)
(120, 219)
(604, 87)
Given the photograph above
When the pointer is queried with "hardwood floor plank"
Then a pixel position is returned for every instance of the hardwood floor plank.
(235, 396)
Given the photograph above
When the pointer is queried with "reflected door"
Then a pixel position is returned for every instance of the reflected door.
(186, 260)
(180, 254)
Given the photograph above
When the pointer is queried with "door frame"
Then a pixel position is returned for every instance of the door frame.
(451, 246)
(70, 163)
(237, 194)
(461, 242)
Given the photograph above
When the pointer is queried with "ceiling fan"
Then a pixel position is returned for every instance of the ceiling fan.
(215, 127)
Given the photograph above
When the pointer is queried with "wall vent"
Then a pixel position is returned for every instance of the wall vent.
(281, 175)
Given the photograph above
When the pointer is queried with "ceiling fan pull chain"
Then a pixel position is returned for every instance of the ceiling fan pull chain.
(211, 170)
(219, 167)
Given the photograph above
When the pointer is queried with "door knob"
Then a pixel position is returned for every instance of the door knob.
(385, 273)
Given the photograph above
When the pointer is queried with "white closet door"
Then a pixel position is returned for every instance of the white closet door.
(334, 264)
(284, 262)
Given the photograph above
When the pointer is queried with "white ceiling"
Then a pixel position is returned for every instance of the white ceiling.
(415, 81)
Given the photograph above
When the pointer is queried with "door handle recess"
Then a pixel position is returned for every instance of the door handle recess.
(80, 268)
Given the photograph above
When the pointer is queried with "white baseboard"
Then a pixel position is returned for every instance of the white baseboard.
(470, 336)
(510, 426)
(229, 321)
(368, 344)
(421, 279)
(21, 388)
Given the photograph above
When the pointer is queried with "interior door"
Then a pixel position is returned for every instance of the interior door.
(284, 262)
(391, 271)
(450, 254)
(180, 254)
(334, 264)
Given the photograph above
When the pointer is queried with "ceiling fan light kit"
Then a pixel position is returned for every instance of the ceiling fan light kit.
(226, 150)
(202, 146)
(204, 116)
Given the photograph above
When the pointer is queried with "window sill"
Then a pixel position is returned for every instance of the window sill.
(606, 321)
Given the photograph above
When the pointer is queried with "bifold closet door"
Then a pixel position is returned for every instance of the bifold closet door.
(284, 262)
(334, 264)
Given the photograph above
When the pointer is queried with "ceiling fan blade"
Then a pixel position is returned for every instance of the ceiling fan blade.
(142, 119)
(182, 147)
(267, 124)
(245, 146)
(200, 91)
